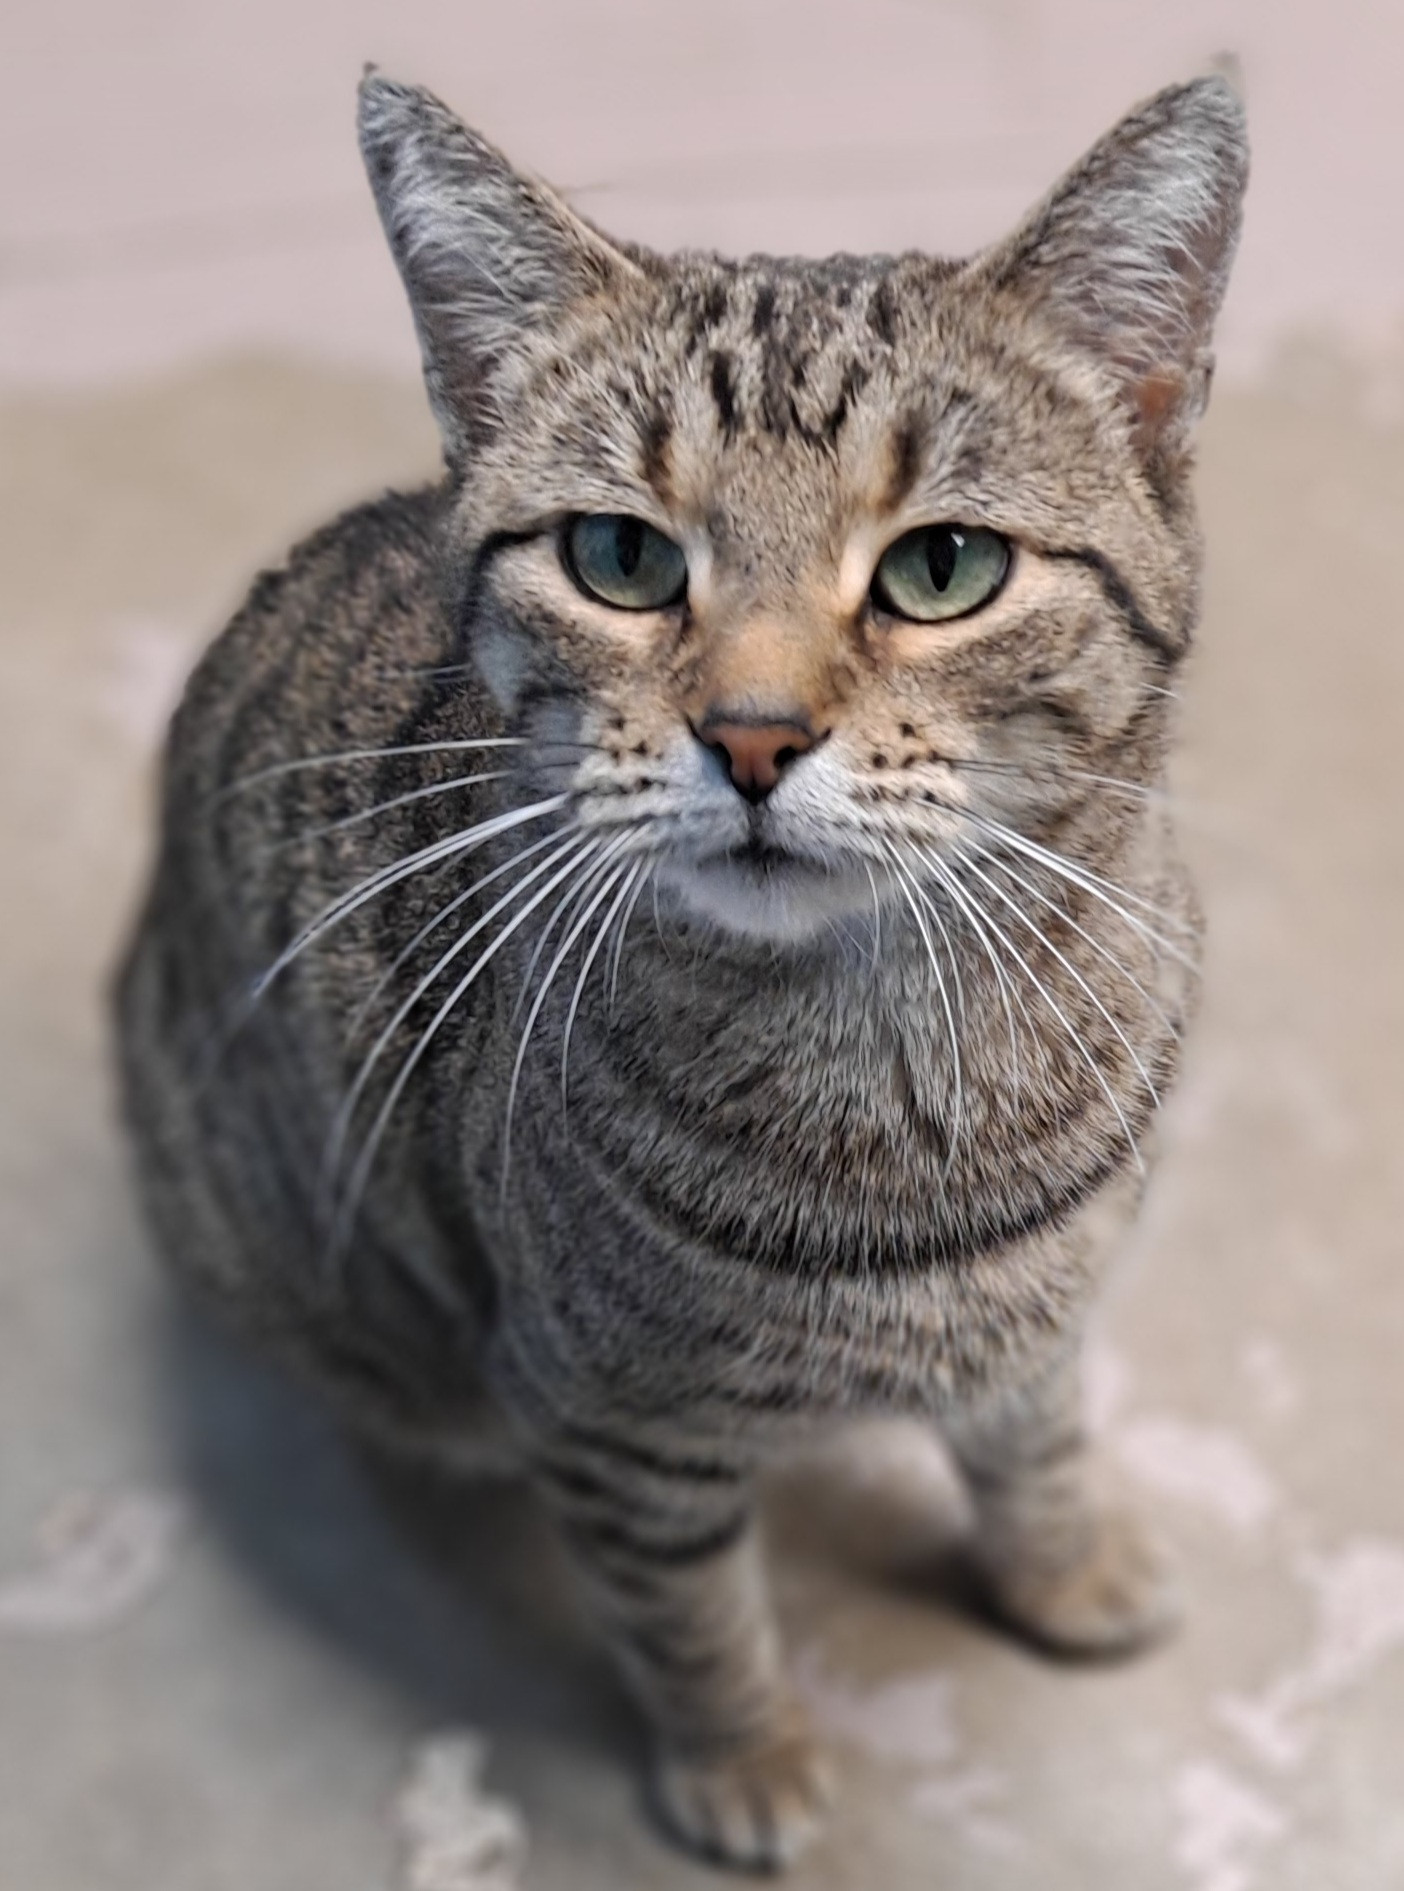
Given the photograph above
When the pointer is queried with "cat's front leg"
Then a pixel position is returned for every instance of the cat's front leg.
(1066, 1565)
(666, 1544)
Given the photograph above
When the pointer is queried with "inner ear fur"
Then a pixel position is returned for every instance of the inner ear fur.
(1128, 256)
(488, 256)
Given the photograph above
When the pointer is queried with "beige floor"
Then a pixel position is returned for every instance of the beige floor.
(219, 1669)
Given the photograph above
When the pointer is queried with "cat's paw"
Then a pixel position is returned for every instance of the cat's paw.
(1119, 1598)
(754, 1806)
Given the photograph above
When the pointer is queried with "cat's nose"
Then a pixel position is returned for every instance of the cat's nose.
(755, 754)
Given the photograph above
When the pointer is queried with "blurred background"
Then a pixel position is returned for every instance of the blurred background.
(219, 1669)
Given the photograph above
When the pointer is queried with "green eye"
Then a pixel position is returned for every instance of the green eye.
(625, 562)
(940, 571)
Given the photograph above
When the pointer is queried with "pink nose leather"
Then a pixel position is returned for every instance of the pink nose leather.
(756, 753)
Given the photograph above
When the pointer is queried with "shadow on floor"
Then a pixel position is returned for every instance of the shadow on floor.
(453, 1594)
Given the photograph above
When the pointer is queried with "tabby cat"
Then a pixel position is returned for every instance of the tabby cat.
(672, 935)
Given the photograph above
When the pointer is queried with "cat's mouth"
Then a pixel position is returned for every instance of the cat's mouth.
(759, 857)
(761, 889)
(763, 856)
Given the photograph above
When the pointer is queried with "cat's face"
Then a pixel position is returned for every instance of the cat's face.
(827, 566)
(782, 715)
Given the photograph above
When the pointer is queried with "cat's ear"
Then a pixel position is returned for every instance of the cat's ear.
(486, 254)
(1129, 254)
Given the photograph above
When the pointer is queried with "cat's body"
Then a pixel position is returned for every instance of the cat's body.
(807, 1254)
(855, 1074)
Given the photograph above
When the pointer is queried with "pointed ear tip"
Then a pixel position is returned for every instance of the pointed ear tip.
(378, 94)
(1221, 91)
(1225, 69)
(1201, 120)
(1223, 121)
(1215, 100)
(373, 94)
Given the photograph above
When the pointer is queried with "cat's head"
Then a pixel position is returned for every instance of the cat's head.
(836, 567)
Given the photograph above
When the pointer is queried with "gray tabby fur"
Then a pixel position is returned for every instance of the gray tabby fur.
(854, 1077)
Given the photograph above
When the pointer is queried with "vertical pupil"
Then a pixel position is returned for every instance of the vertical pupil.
(628, 545)
(942, 550)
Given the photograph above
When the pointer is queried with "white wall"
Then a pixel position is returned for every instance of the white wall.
(178, 179)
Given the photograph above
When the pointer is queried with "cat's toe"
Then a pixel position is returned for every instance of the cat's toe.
(755, 1807)
(1119, 1598)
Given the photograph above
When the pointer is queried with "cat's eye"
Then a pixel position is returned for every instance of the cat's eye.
(940, 571)
(624, 562)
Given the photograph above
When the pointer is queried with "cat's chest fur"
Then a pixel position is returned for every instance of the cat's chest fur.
(787, 1157)
(762, 1205)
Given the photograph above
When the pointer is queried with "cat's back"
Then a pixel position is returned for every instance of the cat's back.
(328, 657)
(328, 639)
(335, 653)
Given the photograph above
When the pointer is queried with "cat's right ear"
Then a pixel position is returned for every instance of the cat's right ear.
(1129, 255)
(486, 254)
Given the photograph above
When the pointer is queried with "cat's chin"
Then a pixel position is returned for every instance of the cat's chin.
(768, 895)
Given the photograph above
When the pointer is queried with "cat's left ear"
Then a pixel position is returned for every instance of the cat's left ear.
(1129, 254)
(488, 256)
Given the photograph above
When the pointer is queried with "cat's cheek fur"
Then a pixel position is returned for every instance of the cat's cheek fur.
(503, 657)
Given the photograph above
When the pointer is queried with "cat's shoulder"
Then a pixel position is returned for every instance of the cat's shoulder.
(359, 593)
(364, 550)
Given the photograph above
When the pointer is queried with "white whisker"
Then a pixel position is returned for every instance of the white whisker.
(1136, 790)
(559, 911)
(384, 807)
(1073, 1034)
(658, 921)
(1072, 972)
(385, 877)
(600, 866)
(1110, 957)
(346, 1215)
(1030, 772)
(341, 1124)
(297, 764)
(1104, 890)
(971, 908)
(1036, 1035)
(631, 876)
(877, 914)
(908, 887)
(444, 913)
(623, 934)
(949, 944)
(336, 910)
